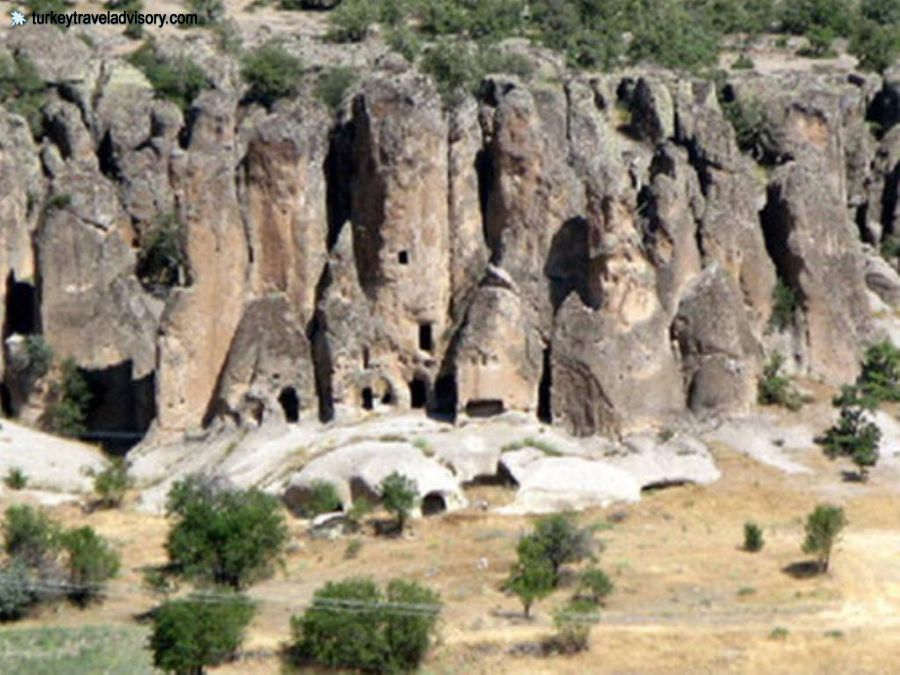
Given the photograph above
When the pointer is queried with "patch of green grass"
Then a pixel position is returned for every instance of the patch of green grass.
(75, 651)
(779, 633)
(531, 442)
(745, 591)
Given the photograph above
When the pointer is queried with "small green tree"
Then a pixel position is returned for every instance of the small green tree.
(753, 537)
(71, 396)
(823, 528)
(880, 376)
(785, 304)
(198, 631)
(353, 624)
(162, 261)
(179, 80)
(30, 535)
(15, 478)
(854, 435)
(16, 590)
(399, 495)
(561, 541)
(876, 46)
(594, 585)
(271, 73)
(90, 561)
(112, 483)
(223, 535)
(531, 577)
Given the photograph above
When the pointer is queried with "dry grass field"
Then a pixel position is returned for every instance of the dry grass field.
(687, 598)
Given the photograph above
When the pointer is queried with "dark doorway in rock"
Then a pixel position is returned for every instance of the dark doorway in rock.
(403, 257)
(426, 342)
(367, 398)
(388, 397)
(121, 407)
(21, 308)
(433, 503)
(418, 393)
(366, 357)
(485, 407)
(5, 400)
(445, 396)
(545, 408)
(290, 404)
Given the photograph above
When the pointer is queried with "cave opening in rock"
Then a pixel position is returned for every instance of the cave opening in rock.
(545, 388)
(426, 342)
(388, 397)
(403, 257)
(446, 396)
(6, 405)
(484, 407)
(418, 392)
(21, 308)
(433, 503)
(366, 357)
(368, 400)
(290, 404)
(121, 407)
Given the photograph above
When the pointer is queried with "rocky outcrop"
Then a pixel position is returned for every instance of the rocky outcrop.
(596, 251)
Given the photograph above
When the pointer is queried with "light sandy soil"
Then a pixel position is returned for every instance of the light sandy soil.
(675, 559)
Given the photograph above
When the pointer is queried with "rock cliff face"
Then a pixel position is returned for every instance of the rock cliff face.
(594, 250)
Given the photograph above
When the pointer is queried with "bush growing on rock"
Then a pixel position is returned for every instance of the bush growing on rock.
(179, 80)
(201, 630)
(774, 388)
(785, 305)
(399, 494)
(876, 46)
(71, 396)
(880, 376)
(22, 91)
(800, 16)
(333, 85)
(323, 498)
(271, 73)
(352, 20)
(823, 528)
(162, 260)
(222, 535)
(353, 624)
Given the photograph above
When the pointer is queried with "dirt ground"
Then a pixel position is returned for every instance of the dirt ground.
(687, 598)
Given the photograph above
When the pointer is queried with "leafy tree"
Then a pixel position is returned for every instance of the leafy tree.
(40, 355)
(669, 35)
(876, 46)
(753, 537)
(853, 435)
(162, 261)
(90, 561)
(399, 495)
(16, 589)
(799, 16)
(352, 20)
(67, 415)
(30, 535)
(559, 541)
(353, 624)
(179, 79)
(323, 498)
(884, 12)
(819, 40)
(198, 631)
(532, 577)
(823, 528)
(496, 19)
(112, 483)
(737, 16)
(774, 388)
(880, 376)
(226, 536)
(271, 73)
(595, 585)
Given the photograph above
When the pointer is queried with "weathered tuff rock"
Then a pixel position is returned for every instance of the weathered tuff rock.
(594, 251)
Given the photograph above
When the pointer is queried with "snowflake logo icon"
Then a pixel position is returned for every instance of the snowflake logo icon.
(18, 19)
